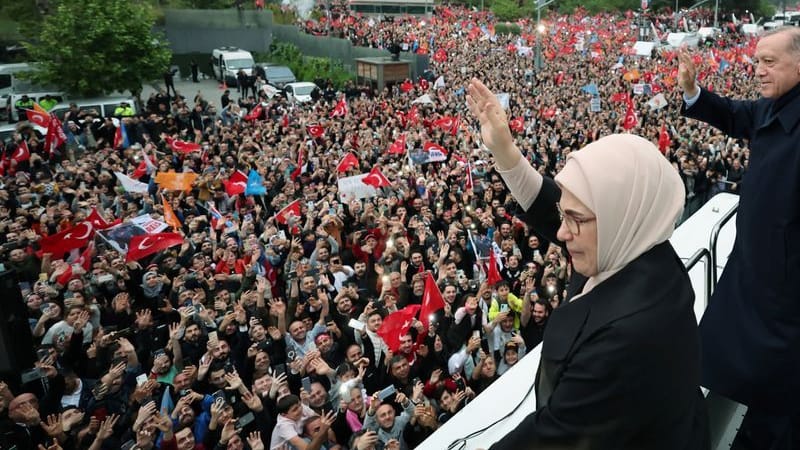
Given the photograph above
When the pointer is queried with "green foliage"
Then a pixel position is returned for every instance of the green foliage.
(280, 16)
(509, 10)
(95, 47)
(595, 6)
(507, 28)
(307, 67)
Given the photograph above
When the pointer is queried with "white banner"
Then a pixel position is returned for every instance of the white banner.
(149, 225)
(353, 188)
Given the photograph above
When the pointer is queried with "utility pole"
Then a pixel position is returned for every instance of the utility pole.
(540, 28)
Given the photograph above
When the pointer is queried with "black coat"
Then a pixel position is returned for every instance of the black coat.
(620, 366)
(750, 331)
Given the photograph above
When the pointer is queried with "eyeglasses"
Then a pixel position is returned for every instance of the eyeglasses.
(573, 223)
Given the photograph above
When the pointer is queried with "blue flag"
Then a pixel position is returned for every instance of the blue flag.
(724, 64)
(591, 88)
(255, 184)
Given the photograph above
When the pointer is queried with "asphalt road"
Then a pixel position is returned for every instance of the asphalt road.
(209, 89)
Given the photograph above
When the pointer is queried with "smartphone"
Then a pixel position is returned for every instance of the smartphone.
(212, 336)
(357, 324)
(503, 307)
(387, 392)
(219, 396)
(141, 379)
(43, 277)
(248, 217)
(43, 353)
(307, 384)
(245, 420)
(332, 211)
(130, 445)
(31, 375)
(476, 334)
(282, 235)
(280, 369)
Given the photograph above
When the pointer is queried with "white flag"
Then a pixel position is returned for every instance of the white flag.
(425, 99)
(657, 102)
(131, 185)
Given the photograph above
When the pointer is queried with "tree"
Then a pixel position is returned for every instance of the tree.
(95, 47)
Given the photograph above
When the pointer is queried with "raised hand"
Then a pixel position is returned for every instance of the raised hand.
(687, 73)
(107, 427)
(254, 440)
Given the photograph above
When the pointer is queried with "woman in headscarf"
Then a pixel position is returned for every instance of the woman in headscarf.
(620, 361)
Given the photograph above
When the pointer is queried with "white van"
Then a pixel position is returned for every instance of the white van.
(8, 79)
(36, 93)
(227, 61)
(103, 106)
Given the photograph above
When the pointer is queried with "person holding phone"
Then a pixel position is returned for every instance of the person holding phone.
(382, 418)
(620, 359)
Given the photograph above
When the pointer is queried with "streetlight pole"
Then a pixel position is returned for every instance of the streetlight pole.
(716, 12)
(540, 32)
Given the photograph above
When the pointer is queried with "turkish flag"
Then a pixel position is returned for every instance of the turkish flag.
(492, 274)
(255, 114)
(376, 178)
(396, 325)
(445, 123)
(315, 130)
(406, 86)
(440, 55)
(75, 237)
(300, 166)
(398, 147)
(236, 184)
(349, 161)
(147, 244)
(182, 146)
(85, 259)
(38, 118)
(424, 84)
(619, 97)
(517, 124)
(630, 116)
(432, 300)
(55, 135)
(98, 222)
(340, 110)
(663, 139)
(22, 153)
(292, 209)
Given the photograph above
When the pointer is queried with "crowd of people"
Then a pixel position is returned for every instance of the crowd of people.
(261, 330)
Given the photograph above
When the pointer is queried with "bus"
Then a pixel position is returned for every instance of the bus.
(392, 7)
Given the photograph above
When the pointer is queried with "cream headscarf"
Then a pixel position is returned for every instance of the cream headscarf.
(633, 190)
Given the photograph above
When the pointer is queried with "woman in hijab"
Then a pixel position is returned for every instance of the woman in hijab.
(620, 361)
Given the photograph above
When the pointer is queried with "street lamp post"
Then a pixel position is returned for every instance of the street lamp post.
(540, 32)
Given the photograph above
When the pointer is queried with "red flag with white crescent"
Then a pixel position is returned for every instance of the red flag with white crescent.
(22, 153)
(144, 245)
(236, 184)
(182, 146)
(376, 178)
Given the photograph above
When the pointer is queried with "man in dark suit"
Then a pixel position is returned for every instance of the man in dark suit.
(751, 329)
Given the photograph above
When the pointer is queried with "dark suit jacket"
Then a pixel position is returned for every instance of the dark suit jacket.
(620, 366)
(750, 331)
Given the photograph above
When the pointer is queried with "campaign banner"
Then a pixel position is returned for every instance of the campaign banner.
(148, 224)
(354, 188)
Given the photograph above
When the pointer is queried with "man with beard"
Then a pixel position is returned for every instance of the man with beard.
(193, 343)
(534, 320)
(365, 284)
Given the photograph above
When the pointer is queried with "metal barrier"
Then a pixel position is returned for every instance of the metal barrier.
(696, 258)
(713, 241)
